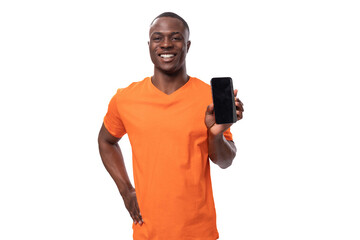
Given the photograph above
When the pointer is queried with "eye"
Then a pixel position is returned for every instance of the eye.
(156, 38)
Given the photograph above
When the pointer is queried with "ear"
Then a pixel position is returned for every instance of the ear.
(148, 43)
(188, 45)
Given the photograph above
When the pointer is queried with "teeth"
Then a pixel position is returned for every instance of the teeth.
(167, 55)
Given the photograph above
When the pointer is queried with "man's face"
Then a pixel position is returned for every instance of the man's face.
(169, 44)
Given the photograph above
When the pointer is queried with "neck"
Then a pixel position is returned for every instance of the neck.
(169, 83)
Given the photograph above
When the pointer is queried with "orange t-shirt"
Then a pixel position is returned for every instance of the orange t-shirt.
(171, 167)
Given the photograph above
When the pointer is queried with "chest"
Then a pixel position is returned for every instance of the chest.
(177, 118)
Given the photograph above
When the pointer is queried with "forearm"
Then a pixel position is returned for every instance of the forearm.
(114, 163)
(221, 151)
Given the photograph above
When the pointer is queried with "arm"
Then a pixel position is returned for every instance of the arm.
(113, 160)
(221, 151)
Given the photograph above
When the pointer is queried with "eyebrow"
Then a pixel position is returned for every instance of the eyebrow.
(160, 33)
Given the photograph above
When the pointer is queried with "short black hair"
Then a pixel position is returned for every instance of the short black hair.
(173, 15)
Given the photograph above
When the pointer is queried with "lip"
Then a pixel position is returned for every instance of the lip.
(167, 58)
(166, 53)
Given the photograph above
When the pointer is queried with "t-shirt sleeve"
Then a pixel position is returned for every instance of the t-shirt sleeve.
(112, 119)
(228, 135)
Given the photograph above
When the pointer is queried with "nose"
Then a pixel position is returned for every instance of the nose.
(166, 43)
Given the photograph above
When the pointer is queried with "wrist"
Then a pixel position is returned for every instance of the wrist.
(215, 139)
(214, 136)
(126, 191)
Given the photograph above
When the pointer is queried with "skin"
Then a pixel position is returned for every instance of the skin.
(167, 36)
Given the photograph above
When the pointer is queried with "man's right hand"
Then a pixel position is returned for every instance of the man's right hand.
(132, 206)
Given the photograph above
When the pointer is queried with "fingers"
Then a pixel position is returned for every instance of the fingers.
(239, 115)
(132, 206)
(135, 214)
(210, 109)
(239, 106)
(139, 217)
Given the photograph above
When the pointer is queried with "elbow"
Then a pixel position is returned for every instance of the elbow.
(224, 155)
(226, 163)
(225, 166)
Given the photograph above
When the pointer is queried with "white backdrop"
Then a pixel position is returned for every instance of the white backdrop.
(295, 63)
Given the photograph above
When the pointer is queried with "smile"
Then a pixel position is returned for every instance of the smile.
(167, 55)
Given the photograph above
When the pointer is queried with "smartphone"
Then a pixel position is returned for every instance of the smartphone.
(223, 99)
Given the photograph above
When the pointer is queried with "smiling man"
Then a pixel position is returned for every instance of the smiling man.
(170, 122)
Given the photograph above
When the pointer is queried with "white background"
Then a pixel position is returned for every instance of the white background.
(295, 63)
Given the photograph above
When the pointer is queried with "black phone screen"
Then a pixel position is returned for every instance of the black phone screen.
(223, 99)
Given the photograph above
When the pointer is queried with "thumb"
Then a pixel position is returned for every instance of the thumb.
(210, 109)
(235, 92)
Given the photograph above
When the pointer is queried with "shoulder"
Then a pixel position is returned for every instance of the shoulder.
(133, 88)
(201, 88)
(200, 84)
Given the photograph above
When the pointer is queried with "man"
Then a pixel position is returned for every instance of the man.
(170, 121)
